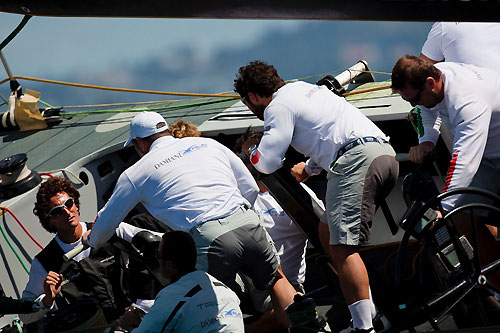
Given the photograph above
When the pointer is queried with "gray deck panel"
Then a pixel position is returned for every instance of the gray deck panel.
(76, 137)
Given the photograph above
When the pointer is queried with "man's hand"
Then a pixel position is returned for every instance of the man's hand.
(51, 287)
(299, 172)
(131, 318)
(84, 238)
(417, 153)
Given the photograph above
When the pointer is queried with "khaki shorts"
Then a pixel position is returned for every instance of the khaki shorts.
(357, 182)
(236, 243)
(487, 178)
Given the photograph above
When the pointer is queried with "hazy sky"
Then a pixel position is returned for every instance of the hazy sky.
(52, 46)
(189, 55)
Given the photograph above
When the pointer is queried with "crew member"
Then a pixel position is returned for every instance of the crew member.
(338, 138)
(194, 301)
(198, 185)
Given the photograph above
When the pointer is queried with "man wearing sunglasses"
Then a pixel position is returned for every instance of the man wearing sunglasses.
(467, 100)
(57, 207)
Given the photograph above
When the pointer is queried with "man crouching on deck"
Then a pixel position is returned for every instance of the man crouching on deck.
(197, 185)
(194, 301)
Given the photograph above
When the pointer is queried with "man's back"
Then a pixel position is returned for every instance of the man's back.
(197, 302)
(466, 42)
(314, 121)
(183, 182)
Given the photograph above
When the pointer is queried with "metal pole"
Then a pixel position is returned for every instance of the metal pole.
(4, 62)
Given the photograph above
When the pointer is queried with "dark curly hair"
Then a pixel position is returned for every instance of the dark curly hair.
(411, 71)
(47, 190)
(259, 78)
(250, 133)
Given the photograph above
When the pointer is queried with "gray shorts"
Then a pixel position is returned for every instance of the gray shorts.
(487, 177)
(357, 182)
(236, 243)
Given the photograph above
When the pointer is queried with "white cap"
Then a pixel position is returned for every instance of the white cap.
(145, 124)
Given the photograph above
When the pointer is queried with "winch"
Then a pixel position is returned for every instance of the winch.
(16, 178)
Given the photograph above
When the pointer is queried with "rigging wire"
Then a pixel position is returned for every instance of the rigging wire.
(226, 96)
(163, 108)
(143, 91)
(21, 225)
(12, 247)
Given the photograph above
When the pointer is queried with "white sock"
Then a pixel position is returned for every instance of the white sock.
(373, 309)
(361, 314)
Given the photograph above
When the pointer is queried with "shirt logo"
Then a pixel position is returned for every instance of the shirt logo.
(180, 154)
(193, 148)
(273, 212)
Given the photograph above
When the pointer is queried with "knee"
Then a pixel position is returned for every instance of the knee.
(339, 253)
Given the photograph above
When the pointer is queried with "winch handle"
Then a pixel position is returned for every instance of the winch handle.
(71, 254)
(402, 157)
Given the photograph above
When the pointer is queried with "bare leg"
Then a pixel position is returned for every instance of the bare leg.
(282, 294)
(351, 271)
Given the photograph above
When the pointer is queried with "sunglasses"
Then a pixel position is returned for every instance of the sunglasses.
(414, 101)
(59, 210)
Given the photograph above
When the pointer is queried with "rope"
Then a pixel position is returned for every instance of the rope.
(366, 90)
(120, 104)
(15, 31)
(168, 107)
(142, 91)
(22, 226)
(13, 249)
(46, 104)
(46, 174)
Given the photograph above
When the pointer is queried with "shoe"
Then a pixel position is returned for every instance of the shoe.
(350, 329)
(359, 330)
(381, 323)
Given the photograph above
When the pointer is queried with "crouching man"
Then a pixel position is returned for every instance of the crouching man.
(194, 301)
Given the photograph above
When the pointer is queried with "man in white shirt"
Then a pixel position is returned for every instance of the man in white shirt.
(194, 301)
(197, 185)
(338, 138)
(475, 43)
(466, 98)
(289, 240)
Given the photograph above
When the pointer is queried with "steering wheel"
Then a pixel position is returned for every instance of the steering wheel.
(455, 256)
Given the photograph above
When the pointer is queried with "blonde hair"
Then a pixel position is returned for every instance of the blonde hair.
(181, 129)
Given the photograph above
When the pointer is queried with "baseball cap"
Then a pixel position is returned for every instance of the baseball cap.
(145, 124)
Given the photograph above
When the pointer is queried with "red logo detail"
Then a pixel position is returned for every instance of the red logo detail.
(255, 156)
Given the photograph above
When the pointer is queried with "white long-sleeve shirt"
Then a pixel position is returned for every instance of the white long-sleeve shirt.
(314, 121)
(471, 110)
(475, 43)
(181, 182)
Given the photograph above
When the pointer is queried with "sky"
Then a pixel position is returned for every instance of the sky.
(52, 45)
(191, 55)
